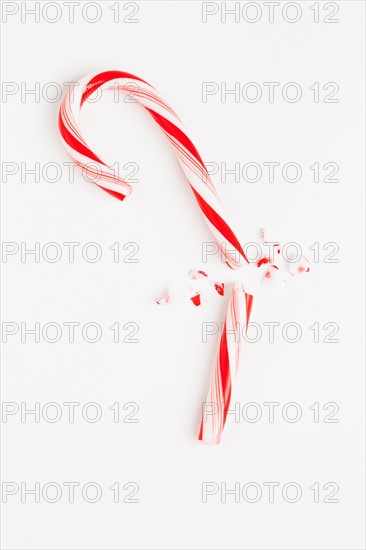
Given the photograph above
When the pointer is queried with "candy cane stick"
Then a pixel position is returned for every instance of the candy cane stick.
(203, 191)
(215, 409)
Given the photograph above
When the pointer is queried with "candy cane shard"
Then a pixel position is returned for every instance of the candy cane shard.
(217, 405)
(166, 300)
(194, 169)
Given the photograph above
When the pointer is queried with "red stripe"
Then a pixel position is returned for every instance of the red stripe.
(249, 301)
(200, 435)
(219, 223)
(102, 78)
(178, 134)
(114, 194)
(74, 143)
(225, 373)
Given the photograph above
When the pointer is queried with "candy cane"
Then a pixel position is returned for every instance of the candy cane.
(215, 411)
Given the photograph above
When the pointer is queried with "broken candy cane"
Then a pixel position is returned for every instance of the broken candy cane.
(196, 275)
(205, 194)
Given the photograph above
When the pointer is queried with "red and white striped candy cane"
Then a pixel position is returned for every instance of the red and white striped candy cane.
(215, 408)
(205, 195)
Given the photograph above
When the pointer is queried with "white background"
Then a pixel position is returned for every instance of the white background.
(168, 371)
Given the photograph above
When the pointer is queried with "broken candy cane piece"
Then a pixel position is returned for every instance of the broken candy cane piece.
(271, 276)
(199, 286)
(165, 300)
(217, 404)
(269, 272)
(302, 266)
(202, 281)
(196, 299)
(220, 288)
(263, 261)
(266, 242)
(197, 274)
